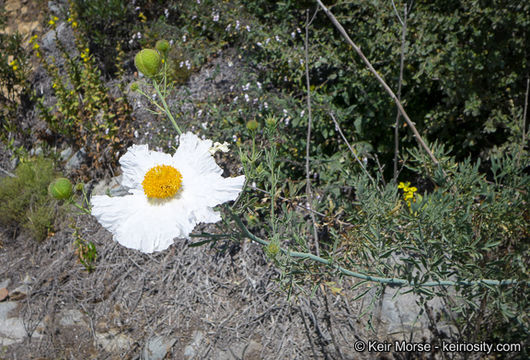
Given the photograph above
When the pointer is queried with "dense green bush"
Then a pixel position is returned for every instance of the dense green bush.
(24, 200)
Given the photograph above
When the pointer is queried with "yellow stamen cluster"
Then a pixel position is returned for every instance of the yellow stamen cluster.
(408, 192)
(162, 182)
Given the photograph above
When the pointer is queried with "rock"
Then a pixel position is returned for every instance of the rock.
(66, 153)
(72, 317)
(65, 35)
(27, 27)
(157, 348)
(75, 161)
(3, 294)
(112, 341)
(5, 283)
(12, 329)
(110, 187)
(20, 292)
(190, 351)
(251, 350)
(11, 6)
(54, 8)
(14, 162)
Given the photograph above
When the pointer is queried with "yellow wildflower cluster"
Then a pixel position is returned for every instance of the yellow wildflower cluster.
(85, 55)
(14, 65)
(53, 20)
(36, 45)
(142, 17)
(72, 22)
(408, 192)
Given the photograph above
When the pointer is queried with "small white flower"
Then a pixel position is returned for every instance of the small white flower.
(293, 34)
(169, 195)
(259, 44)
(136, 133)
(234, 138)
(215, 17)
(228, 27)
(258, 84)
(277, 38)
(184, 38)
(230, 64)
(204, 125)
(237, 24)
(302, 113)
(199, 113)
(266, 105)
(235, 99)
(267, 40)
(248, 28)
(253, 185)
(166, 13)
(285, 111)
(219, 147)
(298, 30)
(247, 99)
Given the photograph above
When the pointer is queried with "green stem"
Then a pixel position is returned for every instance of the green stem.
(86, 211)
(166, 108)
(381, 280)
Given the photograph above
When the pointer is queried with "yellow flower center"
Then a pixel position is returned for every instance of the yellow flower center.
(162, 182)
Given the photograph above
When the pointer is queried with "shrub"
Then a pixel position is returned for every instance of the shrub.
(24, 200)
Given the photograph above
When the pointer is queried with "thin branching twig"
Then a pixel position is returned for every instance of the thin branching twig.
(351, 149)
(401, 64)
(381, 81)
(309, 190)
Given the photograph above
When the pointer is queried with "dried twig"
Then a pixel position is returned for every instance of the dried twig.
(401, 64)
(525, 108)
(381, 81)
(309, 190)
(349, 146)
(7, 172)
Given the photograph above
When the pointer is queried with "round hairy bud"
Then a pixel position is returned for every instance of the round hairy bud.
(148, 62)
(162, 46)
(60, 189)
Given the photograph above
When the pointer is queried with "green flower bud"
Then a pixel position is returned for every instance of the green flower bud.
(272, 249)
(134, 86)
(79, 187)
(252, 125)
(148, 62)
(270, 121)
(162, 46)
(60, 189)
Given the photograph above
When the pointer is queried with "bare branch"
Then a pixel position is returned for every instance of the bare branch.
(380, 79)
(351, 149)
(401, 64)
(309, 190)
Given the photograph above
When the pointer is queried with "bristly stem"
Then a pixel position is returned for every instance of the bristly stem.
(382, 280)
(166, 108)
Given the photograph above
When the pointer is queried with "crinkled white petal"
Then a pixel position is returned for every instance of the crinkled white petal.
(146, 225)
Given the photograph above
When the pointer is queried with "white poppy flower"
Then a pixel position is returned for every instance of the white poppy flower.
(169, 195)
